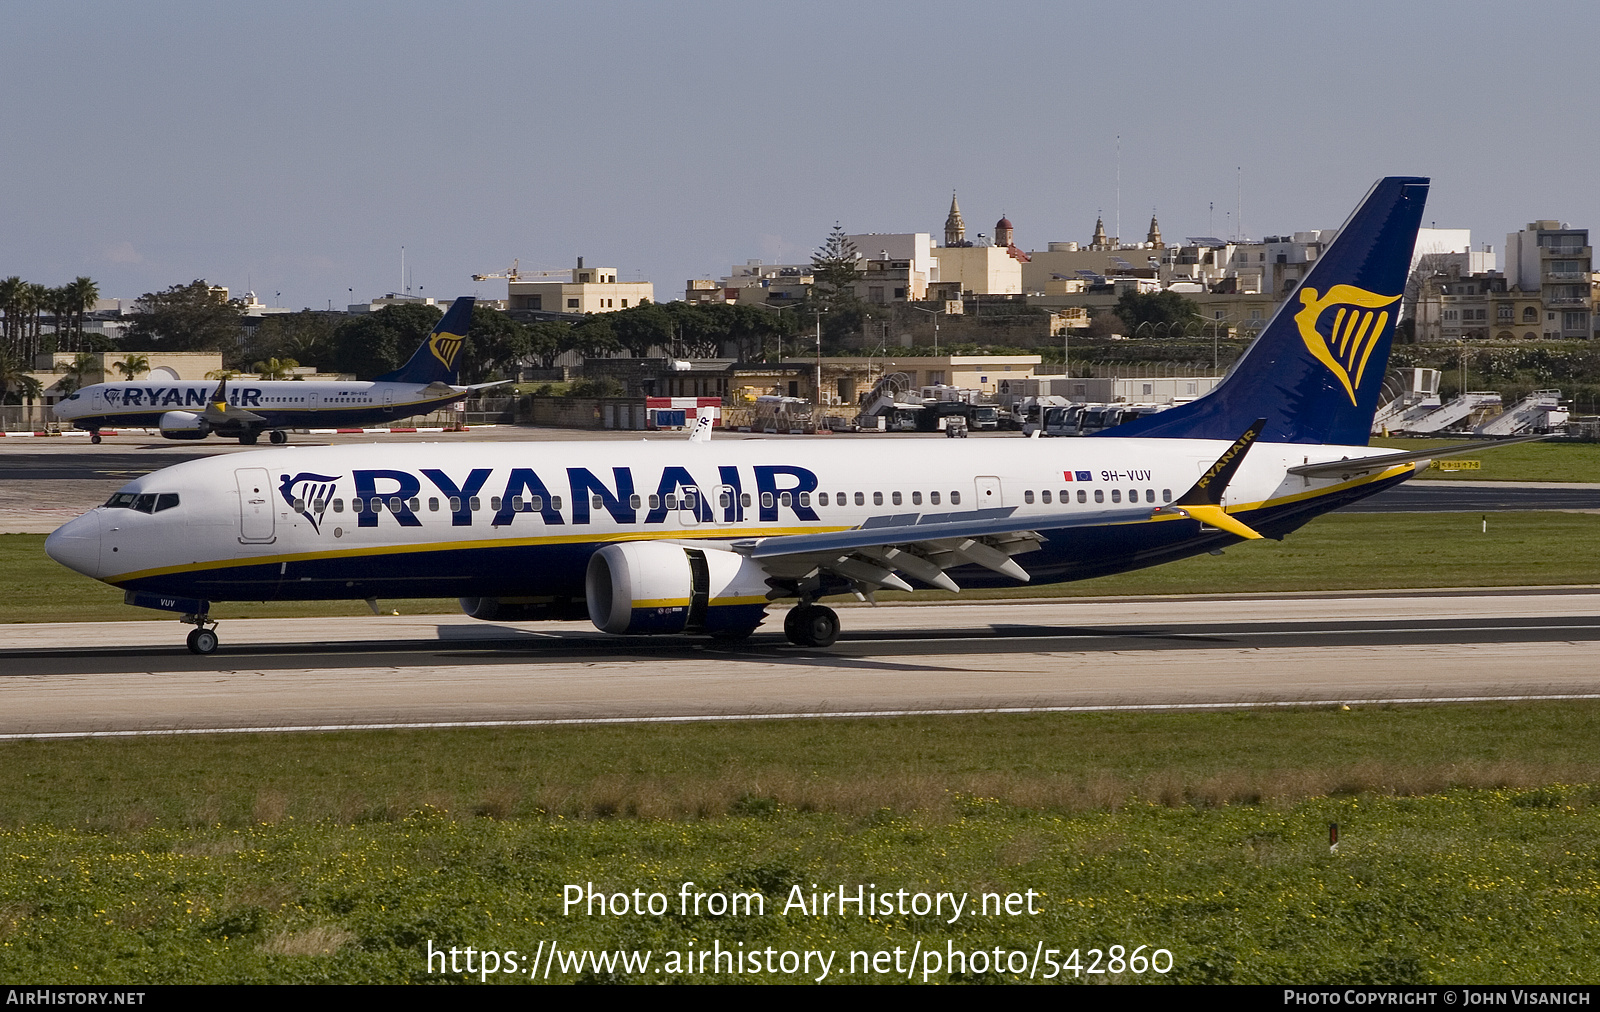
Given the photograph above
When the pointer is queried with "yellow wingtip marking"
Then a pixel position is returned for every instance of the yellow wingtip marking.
(1217, 517)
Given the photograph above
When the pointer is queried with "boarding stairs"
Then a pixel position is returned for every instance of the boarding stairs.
(1457, 411)
(887, 394)
(1540, 411)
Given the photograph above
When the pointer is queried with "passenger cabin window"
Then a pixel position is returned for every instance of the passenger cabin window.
(955, 498)
(1099, 495)
(916, 498)
(894, 497)
(1116, 495)
(1045, 496)
(877, 498)
(1083, 496)
(933, 498)
(861, 499)
(1027, 497)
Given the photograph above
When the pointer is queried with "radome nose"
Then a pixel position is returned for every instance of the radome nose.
(76, 544)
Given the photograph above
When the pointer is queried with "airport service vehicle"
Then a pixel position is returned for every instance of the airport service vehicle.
(700, 537)
(195, 409)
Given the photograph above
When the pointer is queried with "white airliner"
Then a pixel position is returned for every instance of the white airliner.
(700, 536)
(190, 409)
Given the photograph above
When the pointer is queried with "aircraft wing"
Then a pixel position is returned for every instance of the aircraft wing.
(922, 545)
(446, 390)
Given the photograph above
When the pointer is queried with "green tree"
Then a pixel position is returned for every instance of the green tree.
(306, 337)
(132, 365)
(496, 345)
(275, 368)
(593, 338)
(16, 385)
(79, 369)
(183, 318)
(82, 294)
(376, 343)
(546, 341)
(646, 326)
(835, 269)
(1154, 308)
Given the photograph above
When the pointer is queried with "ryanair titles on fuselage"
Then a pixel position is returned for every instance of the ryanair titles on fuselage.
(625, 495)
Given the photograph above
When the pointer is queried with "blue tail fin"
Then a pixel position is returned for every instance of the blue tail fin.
(1317, 369)
(435, 361)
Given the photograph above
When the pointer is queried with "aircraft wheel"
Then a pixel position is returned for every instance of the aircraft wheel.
(202, 641)
(279, 436)
(821, 626)
(94, 437)
(248, 439)
(811, 625)
(792, 627)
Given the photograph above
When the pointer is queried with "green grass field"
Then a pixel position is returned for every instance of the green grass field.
(1521, 462)
(1466, 845)
(1349, 552)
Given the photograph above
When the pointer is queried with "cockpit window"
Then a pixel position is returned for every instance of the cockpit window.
(144, 502)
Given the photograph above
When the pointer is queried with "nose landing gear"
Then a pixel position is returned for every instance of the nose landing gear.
(203, 637)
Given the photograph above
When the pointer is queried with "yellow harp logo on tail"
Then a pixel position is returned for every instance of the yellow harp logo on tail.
(445, 347)
(1356, 325)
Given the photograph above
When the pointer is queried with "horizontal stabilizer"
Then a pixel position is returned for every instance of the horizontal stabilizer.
(1360, 465)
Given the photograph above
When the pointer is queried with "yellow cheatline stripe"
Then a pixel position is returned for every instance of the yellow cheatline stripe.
(723, 602)
(664, 602)
(690, 534)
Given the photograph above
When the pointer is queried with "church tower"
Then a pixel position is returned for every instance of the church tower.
(1002, 232)
(955, 230)
(1154, 236)
(1099, 242)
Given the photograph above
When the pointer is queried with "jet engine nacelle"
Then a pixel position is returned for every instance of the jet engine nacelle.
(522, 609)
(184, 425)
(644, 587)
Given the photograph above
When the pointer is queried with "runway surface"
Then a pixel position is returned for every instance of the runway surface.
(1103, 653)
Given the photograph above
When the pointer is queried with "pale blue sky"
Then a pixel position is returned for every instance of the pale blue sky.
(295, 147)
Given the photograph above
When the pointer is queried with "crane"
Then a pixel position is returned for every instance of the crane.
(515, 273)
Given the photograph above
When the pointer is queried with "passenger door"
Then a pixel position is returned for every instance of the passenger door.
(988, 489)
(255, 505)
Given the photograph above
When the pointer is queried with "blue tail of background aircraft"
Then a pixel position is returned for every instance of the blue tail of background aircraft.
(435, 361)
(1316, 370)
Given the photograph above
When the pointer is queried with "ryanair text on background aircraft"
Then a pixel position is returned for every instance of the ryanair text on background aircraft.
(700, 536)
(197, 409)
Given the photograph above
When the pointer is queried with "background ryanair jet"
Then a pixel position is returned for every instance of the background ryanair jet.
(247, 408)
(700, 536)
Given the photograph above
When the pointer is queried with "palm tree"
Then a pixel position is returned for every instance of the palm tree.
(79, 368)
(10, 293)
(59, 302)
(84, 293)
(132, 365)
(275, 368)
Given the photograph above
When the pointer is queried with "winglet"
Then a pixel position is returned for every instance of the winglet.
(1203, 501)
(702, 429)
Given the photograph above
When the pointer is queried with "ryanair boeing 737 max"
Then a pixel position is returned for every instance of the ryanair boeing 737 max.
(192, 409)
(700, 536)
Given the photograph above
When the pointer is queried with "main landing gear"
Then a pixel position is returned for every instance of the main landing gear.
(94, 436)
(279, 436)
(203, 638)
(811, 625)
